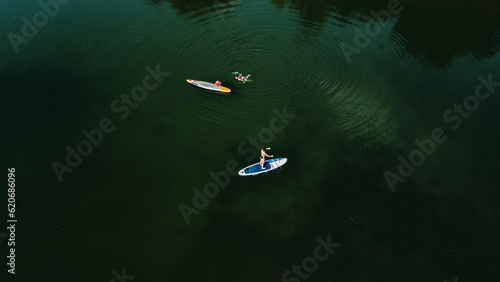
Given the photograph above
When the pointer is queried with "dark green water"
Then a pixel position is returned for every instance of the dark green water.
(352, 119)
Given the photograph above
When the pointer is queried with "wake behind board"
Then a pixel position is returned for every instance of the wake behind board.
(208, 85)
(269, 165)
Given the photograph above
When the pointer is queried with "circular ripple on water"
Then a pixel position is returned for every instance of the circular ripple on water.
(358, 101)
(293, 62)
(272, 52)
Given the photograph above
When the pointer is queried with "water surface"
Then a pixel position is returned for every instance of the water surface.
(353, 118)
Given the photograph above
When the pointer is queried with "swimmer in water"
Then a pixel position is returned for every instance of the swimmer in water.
(240, 77)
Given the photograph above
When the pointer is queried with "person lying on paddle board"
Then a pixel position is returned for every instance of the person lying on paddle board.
(263, 156)
(217, 83)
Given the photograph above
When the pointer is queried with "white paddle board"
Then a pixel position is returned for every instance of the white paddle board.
(269, 165)
(208, 85)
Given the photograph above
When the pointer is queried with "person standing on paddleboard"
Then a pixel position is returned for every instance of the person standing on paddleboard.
(263, 156)
(217, 83)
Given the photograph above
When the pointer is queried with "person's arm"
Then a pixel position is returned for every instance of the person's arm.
(269, 156)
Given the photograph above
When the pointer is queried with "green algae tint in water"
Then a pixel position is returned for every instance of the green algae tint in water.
(116, 214)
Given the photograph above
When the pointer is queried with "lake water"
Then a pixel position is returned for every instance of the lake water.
(389, 124)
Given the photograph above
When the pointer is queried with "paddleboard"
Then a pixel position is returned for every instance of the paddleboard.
(208, 85)
(269, 165)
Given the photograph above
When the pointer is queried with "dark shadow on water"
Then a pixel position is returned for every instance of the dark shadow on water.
(308, 11)
(435, 32)
(199, 7)
(439, 33)
(183, 6)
